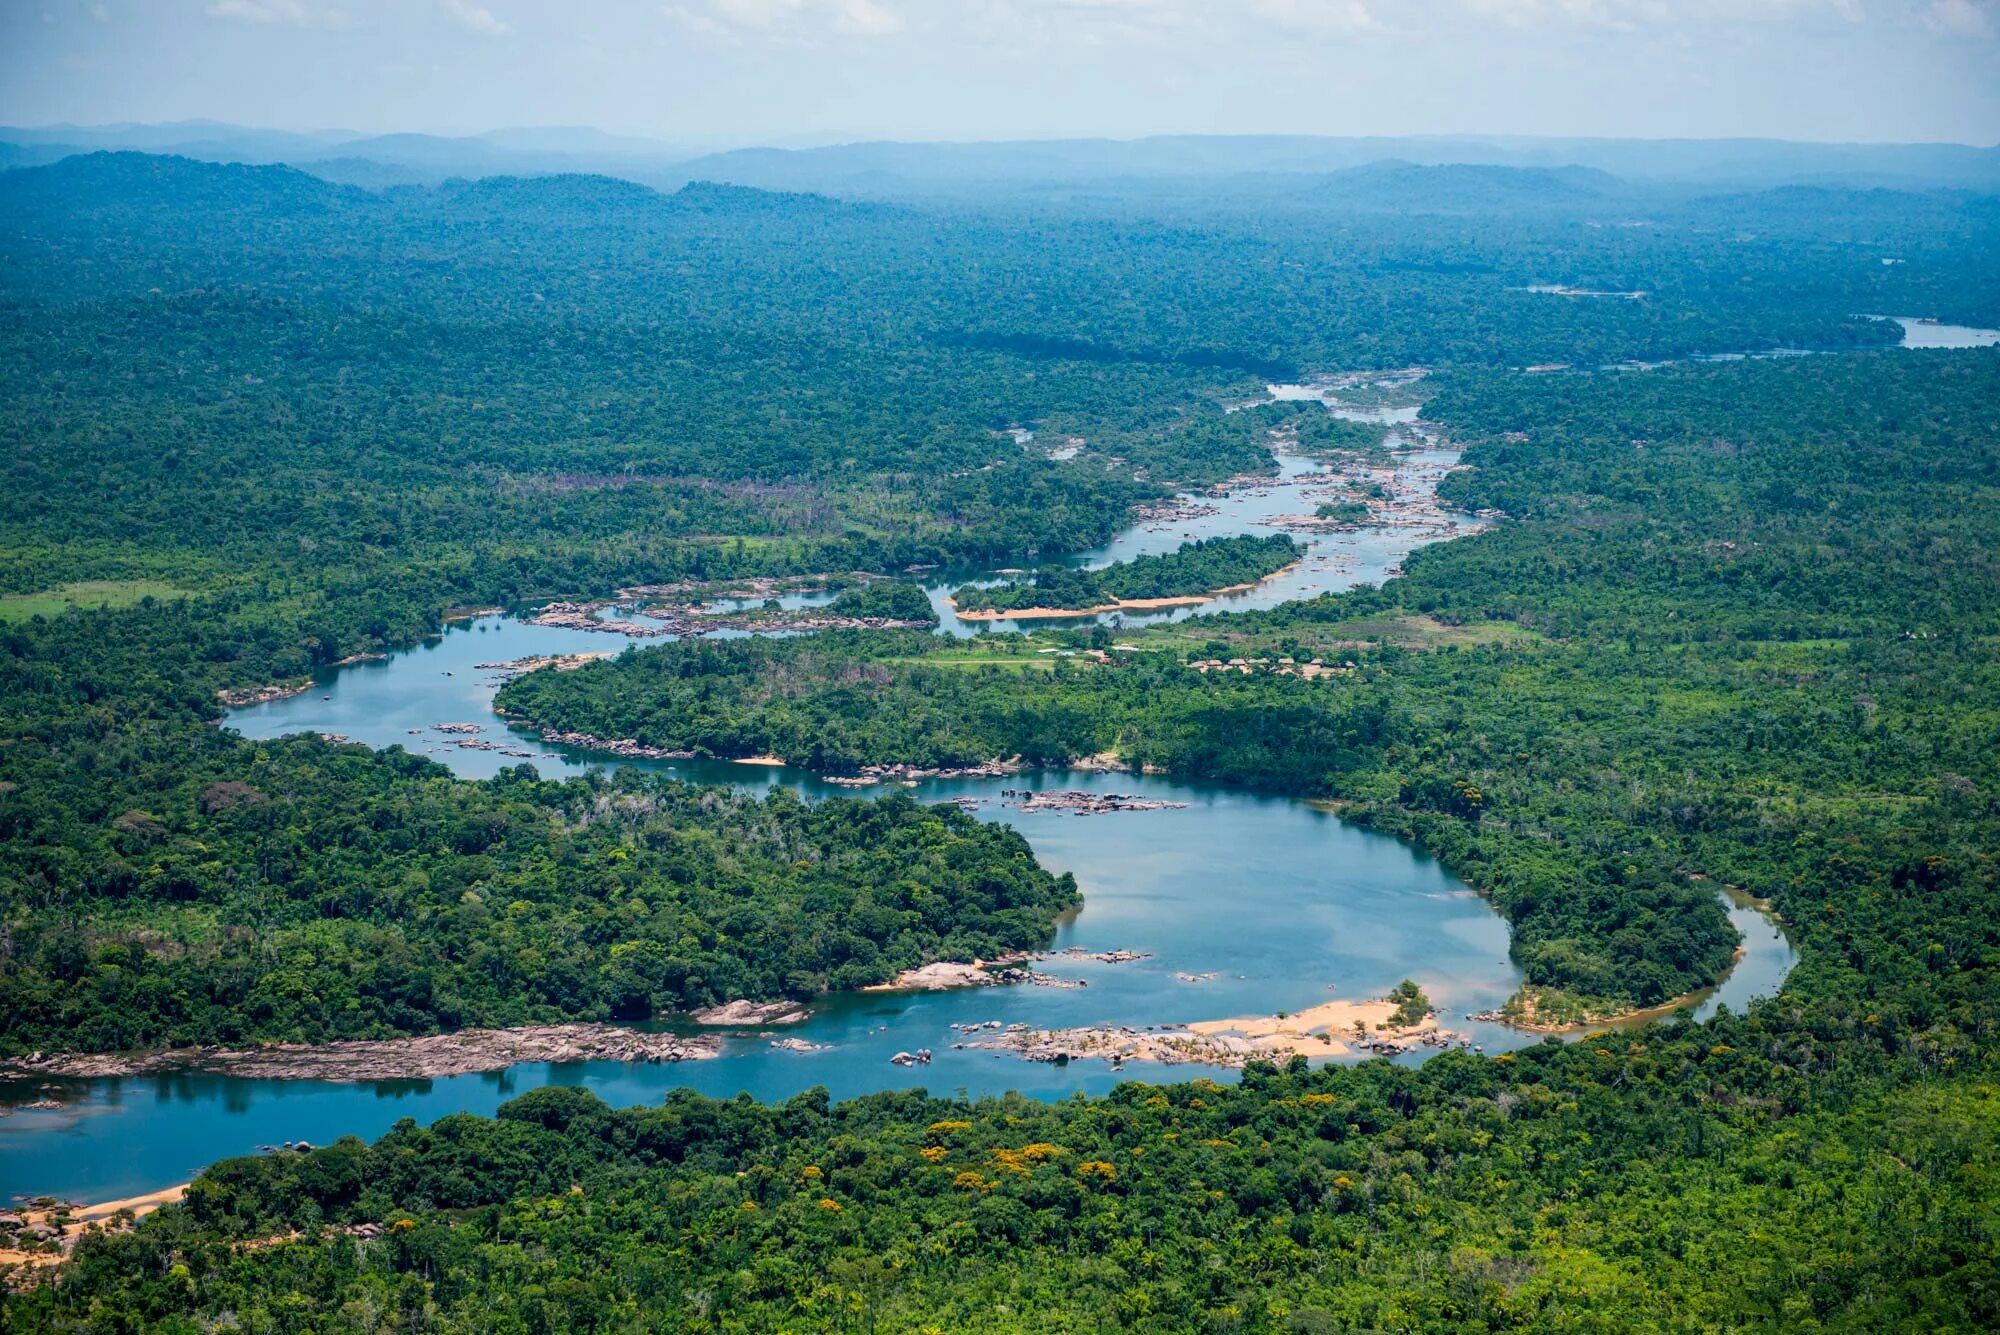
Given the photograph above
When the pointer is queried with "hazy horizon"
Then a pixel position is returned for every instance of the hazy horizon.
(708, 74)
(336, 134)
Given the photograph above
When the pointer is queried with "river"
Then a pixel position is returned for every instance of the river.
(1925, 333)
(1283, 904)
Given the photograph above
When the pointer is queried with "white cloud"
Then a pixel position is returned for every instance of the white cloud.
(793, 19)
(1318, 15)
(1638, 13)
(866, 18)
(1029, 23)
(260, 11)
(1964, 18)
(295, 13)
(476, 17)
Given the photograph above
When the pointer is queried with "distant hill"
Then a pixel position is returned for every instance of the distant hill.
(100, 189)
(1407, 187)
(884, 166)
(371, 160)
(1148, 166)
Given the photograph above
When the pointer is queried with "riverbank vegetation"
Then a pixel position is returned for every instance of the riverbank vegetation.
(1195, 570)
(1610, 1181)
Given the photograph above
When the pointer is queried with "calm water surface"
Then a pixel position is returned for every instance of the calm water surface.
(1285, 904)
(1919, 333)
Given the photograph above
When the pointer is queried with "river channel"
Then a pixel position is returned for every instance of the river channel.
(1243, 904)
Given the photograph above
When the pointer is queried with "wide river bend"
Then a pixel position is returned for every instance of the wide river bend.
(1283, 904)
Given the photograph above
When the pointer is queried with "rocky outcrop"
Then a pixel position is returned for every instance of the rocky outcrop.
(431, 1056)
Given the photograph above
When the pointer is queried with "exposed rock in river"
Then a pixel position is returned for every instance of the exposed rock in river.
(618, 747)
(980, 973)
(260, 695)
(583, 616)
(750, 1012)
(1086, 804)
(799, 1045)
(937, 977)
(535, 663)
(436, 1055)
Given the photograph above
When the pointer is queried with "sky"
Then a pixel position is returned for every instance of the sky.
(724, 73)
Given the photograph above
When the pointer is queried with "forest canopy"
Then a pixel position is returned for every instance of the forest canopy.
(1738, 629)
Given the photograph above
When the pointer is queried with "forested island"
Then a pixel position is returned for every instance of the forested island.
(1738, 630)
(1196, 572)
(390, 899)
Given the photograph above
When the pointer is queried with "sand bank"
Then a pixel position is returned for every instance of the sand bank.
(51, 1232)
(1330, 1029)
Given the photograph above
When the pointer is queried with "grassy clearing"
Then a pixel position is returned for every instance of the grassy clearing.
(113, 593)
(1406, 632)
(1019, 664)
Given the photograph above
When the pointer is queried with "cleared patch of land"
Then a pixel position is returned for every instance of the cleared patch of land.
(112, 593)
(1412, 631)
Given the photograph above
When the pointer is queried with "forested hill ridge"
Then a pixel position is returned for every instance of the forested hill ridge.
(1416, 288)
(1194, 571)
(1744, 604)
(1187, 162)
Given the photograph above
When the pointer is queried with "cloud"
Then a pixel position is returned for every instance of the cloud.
(1027, 23)
(1318, 15)
(866, 18)
(793, 19)
(476, 18)
(295, 13)
(1962, 18)
(1649, 13)
(261, 11)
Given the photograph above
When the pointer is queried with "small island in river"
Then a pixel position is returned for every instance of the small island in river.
(1195, 574)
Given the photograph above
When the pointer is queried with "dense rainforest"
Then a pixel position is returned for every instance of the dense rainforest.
(1739, 628)
(1809, 1169)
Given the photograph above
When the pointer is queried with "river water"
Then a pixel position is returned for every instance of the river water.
(1921, 333)
(1284, 904)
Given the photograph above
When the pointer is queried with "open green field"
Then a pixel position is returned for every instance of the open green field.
(112, 593)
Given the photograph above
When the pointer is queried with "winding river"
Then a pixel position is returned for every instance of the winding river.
(1243, 904)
